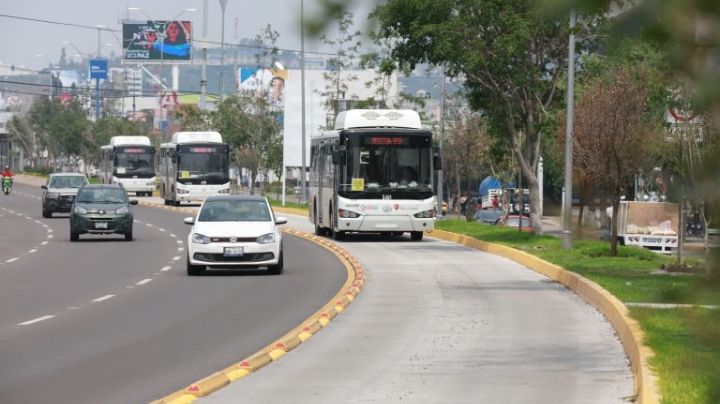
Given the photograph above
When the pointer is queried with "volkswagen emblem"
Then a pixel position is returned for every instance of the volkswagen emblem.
(233, 239)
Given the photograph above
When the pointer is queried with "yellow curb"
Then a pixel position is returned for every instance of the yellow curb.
(289, 341)
(184, 399)
(628, 329)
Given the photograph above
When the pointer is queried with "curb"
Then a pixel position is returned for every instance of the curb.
(628, 329)
(277, 349)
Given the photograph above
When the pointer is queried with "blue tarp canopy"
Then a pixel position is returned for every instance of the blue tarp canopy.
(487, 184)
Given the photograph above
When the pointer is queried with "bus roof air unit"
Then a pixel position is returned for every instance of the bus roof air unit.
(374, 118)
(130, 141)
(196, 137)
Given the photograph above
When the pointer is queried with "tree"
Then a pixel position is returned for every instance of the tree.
(509, 53)
(613, 137)
(192, 118)
(21, 131)
(346, 46)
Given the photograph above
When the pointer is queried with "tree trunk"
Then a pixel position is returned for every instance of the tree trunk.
(535, 217)
(253, 175)
(580, 218)
(614, 228)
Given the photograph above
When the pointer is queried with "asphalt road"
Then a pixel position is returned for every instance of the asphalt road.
(441, 323)
(104, 320)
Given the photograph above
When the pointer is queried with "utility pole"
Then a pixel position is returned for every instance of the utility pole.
(302, 97)
(223, 6)
(441, 190)
(567, 197)
(203, 76)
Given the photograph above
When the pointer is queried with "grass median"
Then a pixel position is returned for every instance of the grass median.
(686, 341)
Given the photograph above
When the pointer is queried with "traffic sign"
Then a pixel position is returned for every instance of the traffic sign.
(98, 69)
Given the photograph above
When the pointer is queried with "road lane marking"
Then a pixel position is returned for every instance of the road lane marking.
(50, 236)
(144, 281)
(165, 269)
(179, 241)
(161, 229)
(148, 225)
(172, 235)
(37, 320)
(102, 299)
(44, 243)
(50, 231)
(33, 250)
(12, 260)
(176, 258)
(181, 248)
(38, 222)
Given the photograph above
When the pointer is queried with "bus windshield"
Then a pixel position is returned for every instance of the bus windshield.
(398, 164)
(137, 161)
(203, 162)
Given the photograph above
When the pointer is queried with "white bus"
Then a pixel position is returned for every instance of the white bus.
(130, 161)
(193, 166)
(373, 173)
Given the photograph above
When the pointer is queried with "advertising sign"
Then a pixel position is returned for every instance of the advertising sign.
(98, 69)
(153, 41)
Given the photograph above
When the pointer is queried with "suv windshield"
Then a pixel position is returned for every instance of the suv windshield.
(68, 181)
(101, 195)
(234, 211)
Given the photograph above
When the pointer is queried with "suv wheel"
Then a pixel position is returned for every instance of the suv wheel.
(416, 235)
(129, 236)
(74, 236)
(194, 270)
(46, 213)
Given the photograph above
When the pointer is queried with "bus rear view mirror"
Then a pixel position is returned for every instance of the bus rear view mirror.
(364, 157)
(338, 157)
(437, 162)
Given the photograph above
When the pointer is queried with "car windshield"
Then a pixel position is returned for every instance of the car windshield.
(101, 195)
(234, 211)
(73, 181)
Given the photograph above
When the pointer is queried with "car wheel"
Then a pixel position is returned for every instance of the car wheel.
(416, 235)
(46, 213)
(277, 268)
(194, 270)
(129, 236)
(74, 236)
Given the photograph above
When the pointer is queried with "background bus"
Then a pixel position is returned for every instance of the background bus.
(193, 166)
(130, 161)
(373, 173)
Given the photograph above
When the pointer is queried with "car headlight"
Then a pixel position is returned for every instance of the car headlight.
(426, 214)
(266, 238)
(80, 210)
(122, 211)
(53, 195)
(347, 214)
(224, 191)
(198, 238)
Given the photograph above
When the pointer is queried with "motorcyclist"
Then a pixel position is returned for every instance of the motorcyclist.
(7, 173)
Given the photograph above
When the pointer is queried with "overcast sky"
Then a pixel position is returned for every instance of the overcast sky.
(21, 41)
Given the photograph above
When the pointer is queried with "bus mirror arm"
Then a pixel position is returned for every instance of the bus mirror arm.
(338, 157)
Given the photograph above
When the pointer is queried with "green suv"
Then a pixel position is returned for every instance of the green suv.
(101, 209)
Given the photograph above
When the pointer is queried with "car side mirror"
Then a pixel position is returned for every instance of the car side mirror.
(189, 220)
(43, 187)
(133, 202)
(280, 220)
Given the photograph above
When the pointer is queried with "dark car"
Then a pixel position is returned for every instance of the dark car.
(489, 216)
(102, 209)
(59, 192)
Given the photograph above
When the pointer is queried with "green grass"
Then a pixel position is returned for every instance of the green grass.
(686, 341)
(288, 204)
(687, 352)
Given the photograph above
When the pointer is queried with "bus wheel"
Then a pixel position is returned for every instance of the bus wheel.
(336, 234)
(416, 235)
(319, 231)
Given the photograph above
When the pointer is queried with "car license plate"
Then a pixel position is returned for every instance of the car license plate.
(233, 252)
(101, 225)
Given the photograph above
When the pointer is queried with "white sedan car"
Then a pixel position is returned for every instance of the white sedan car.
(234, 231)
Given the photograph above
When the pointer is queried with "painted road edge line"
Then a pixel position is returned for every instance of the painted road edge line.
(628, 329)
(277, 349)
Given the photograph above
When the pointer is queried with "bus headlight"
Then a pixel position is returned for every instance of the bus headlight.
(266, 238)
(182, 191)
(198, 238)
(347, 214)
(426, 214)
(224, 191)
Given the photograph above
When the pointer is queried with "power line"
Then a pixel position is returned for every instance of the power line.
(238, 45)
(125, 93)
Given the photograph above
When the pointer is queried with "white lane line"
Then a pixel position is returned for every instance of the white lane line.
(37, 320)
(32, 251)
(172, 235)
(38, 222)
(28, 218)
(148, 225)
(19, 214)
(50, 236)
(179, 241)
(12, 260)
(176, 258)
(165, 269)
(161, 229)
(144, 281)
(181, 248)
(137, 221)
(44, 243)
(49, 231)
(102, 299)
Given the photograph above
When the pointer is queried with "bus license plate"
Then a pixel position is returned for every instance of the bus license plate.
(101, 225)
(234, 251)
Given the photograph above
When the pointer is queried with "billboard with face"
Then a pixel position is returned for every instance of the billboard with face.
(157, 40)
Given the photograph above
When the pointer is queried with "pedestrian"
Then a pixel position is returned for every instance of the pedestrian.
(463, 204)
(495, 202)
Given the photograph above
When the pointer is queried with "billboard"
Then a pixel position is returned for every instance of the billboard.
(154, 41)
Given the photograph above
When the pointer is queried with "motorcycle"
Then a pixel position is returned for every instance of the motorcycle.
(695, 228)
(7, 185)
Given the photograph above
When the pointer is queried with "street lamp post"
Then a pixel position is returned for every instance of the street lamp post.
(567, 197)
(302, 98)
(203, 77)
(223, 6)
